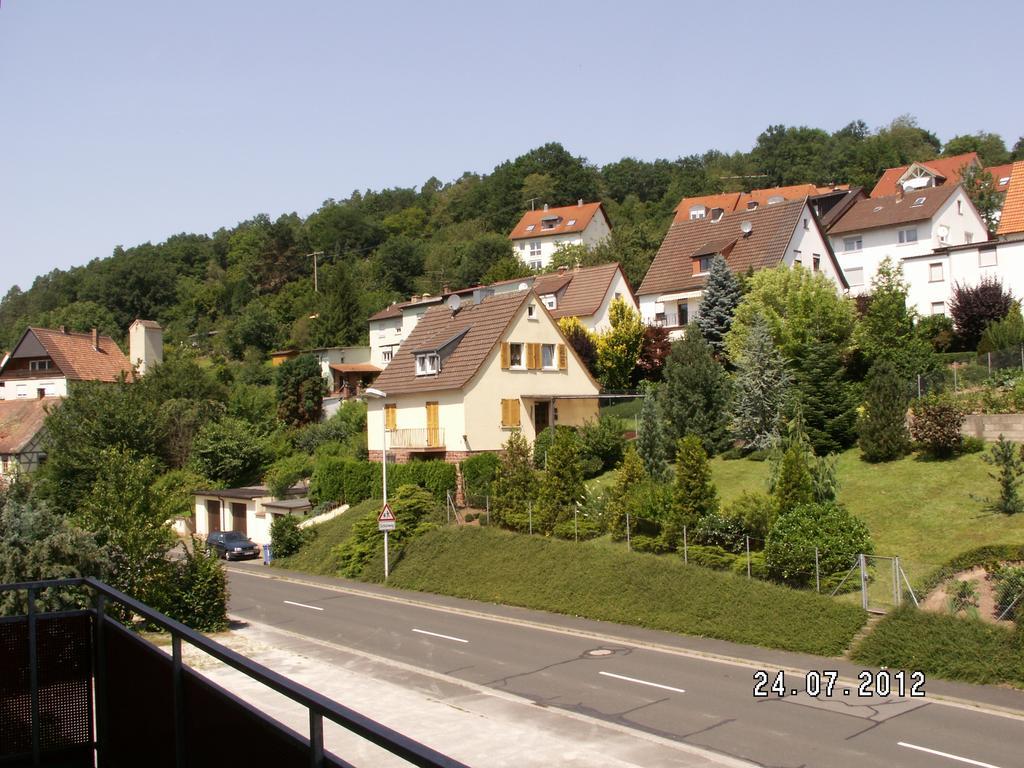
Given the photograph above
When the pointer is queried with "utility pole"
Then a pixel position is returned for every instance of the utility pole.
(314, 254)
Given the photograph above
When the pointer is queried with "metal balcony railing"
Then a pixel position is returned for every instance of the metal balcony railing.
(426, 437)
(667, 320)
(77, 688)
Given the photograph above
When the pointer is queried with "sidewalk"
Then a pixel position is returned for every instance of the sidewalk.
(476, 725)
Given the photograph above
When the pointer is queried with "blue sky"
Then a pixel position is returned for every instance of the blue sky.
(124, 121)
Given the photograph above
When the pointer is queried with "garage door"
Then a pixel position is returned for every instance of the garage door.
(238, 518)
(212, 515)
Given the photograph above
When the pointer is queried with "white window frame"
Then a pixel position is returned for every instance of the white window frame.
(698, 212)
(907, 236)
(531, 311)
(941, 307)
(40, 365)
(702, 267)
(535, 249)
(513, 348)
(853, 244)
(991, 253)
(428, 364)
(968, 238)
(548, 363)
(850, 278)
(816, 262)
(550, 301)
(931, 272)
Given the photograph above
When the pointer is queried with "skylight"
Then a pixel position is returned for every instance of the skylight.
(530, 227)
(919, 202)
(877, 209)
(1004, 180)
(571, 222)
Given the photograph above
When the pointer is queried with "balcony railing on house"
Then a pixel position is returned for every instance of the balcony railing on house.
(428, 438)
(78, 688)
(667, 320)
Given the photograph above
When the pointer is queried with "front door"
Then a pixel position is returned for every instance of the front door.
(541, 415)
(433, 427)
(212, 516)
(238, 518)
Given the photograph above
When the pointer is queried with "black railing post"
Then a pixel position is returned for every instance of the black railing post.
(179, 703)
(316, 739)
(33, 673)
(100, 679)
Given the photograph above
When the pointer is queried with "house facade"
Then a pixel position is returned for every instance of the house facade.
(467, 377)
(250, 510)
(539, 233)
(582, 292)
(786, 233)
(903, 227)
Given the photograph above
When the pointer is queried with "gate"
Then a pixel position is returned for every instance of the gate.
(883, 584)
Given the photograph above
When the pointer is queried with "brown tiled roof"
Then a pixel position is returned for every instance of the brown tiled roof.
(579, 215)
(736, 201)
(765, 246)
(74, 355)
(1012, 219)
(483, 325)
(947, 167)
(875, 212)
(1000, 172)
(354, 367)
(581, 293)
(21, 420)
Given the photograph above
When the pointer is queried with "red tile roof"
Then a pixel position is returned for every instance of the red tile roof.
(999, 173)
(772, 229)
(736, 201)
(579, 292)
(947, 167)
(74, 355)
(579, 216)
(1012, 219)
(482, 324)
(875, 212)
(21, 420)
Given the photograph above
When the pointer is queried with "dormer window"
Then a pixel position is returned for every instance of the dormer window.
(776, 199)
(703, 264)
(570, 222)
(428, 363)
(698, 212)
(717, 214)
(550, 301)
(40, 365)
(550, 222)
(752, 205)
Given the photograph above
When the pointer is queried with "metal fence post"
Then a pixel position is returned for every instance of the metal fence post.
(100, 674)
(487, 502)
(955, 386)
(919, 386)
(686, 554)
(748, 557)
(316, 739)
(896, 591)
(817, 572)
(989, 356)
(629, 544)
(863, 582)
(529, 508)
(576, 522)
(33, 673)
(179, 703)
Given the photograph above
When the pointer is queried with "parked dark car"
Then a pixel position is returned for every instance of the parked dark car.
(232, 545)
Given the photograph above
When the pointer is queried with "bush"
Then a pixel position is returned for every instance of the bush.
(601, 444)
(583, 526)
(838, 536)
(710, 557)
(195, 590)
(757, 511)
(286, 537)
(654, 545)
(971, 444)
(758, 568)
(935, 424)
(284, 473)
(719, 530)
(478, 473)
(542, 444)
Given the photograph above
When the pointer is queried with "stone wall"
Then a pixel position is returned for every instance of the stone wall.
(988, 426)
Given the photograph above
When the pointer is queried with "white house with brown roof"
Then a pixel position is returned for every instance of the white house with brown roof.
(582, 292)
(539, 233)
(902, 227)
(469, 376)
(786, 233)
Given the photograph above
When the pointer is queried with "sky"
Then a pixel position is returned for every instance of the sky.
(123, 122)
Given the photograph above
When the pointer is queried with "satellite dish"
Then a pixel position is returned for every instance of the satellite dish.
(746, 227)
(454, 302)
(523, 286)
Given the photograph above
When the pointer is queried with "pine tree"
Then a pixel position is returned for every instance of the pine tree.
(761, 384)
(721, 296)
(827, 399)
(562, 484)
(883, 426)
(794, 485)
(514, 484)
(340, 319)
(695, 494)
(651, 443)
(628, 477)
(694, 397)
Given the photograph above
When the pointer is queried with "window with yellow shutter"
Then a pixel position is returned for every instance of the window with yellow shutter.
(510, 413)
(533, 356)
(505, 354)
(391, 416)
(563, 358)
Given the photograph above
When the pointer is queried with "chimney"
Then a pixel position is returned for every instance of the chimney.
(545, 206)
(145, 345)
(63, 328)
(899, 193)
(561, 269)
(445, 289)
(414, 297)
(95, 339)
(580, 202)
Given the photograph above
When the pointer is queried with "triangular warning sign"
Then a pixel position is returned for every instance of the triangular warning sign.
(386, 515)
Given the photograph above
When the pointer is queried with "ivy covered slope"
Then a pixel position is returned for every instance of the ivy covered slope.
(253, 281)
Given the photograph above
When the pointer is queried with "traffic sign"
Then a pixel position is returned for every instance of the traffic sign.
(386, 519)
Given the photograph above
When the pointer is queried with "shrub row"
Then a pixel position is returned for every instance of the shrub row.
(349, 481)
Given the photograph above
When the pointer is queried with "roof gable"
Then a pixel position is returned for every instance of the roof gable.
(565, 219)
(948, 168)
(1012, 219)
(877, 212)
(771, 230)
(749, 201)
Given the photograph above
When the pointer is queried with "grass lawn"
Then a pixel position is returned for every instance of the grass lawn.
(315, 557)
(922, 511)
(599, 580)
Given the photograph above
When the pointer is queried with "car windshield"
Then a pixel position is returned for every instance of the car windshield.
(235, 536)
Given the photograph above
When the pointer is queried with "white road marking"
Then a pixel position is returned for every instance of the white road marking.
(946, 754)
(435, 634)
(642, 682)
(303, 605)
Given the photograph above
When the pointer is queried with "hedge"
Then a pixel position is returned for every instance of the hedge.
(349, 481)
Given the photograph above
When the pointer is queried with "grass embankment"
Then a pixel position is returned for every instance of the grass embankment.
(612, 584)
(927, 512)
(945, 646)
(315, 557)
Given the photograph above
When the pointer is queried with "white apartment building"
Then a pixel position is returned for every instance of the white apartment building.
(539, 233)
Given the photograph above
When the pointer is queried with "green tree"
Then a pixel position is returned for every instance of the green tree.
(339, 319)
(695, 494)
(561, 485)
(794, 485)
(826, 398)
(255, 327)
(822, 535)
(883, 424)
(1018, 150)
(694, 398)
(651, 443)
(721, 297)
(981, 189)
(228, 453)
(580, 338)
(618, 348)
(990, 147)
(975, 307)
(399, 261)
(1008, 459)
(515, 483)
(761, 388)
(629, 475)
(300, 391)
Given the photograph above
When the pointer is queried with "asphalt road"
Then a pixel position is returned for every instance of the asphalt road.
(673, 694)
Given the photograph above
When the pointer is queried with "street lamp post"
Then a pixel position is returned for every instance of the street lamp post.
(379, 395)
